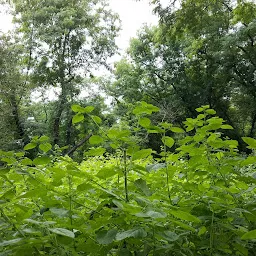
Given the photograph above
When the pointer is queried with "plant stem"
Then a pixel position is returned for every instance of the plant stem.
(70, 199)
(125, 177)
(211, 234)
(167, 173)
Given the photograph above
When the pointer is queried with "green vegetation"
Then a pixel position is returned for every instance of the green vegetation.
(152, 173)
(120, 200)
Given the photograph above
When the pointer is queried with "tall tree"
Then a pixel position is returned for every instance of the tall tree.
(12, 93)
(66, 40)
(201, 53)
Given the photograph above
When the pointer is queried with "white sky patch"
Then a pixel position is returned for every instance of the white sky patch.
(133, 15)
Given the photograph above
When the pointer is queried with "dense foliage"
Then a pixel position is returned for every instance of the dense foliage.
(196, 200)
(201, 53)
(82, 177)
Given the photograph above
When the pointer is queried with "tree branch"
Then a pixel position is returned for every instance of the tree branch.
(72, 150)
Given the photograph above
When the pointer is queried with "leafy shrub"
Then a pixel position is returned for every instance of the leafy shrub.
(198, 199)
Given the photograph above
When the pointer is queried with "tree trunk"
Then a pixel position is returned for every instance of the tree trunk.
(20, 130)
(57, 118)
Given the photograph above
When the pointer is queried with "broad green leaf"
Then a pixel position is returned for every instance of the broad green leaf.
(227, 127)
(145, 108)
(168, 141)
(202, 230)
(95, 152)
(77, 108)
(62, 232)
(44, 138)
(135, 233)
(26, 161)
(144, 122)
(77, 118)
(30, 146)
(10, 242)
(88, 109)
(199, 110)
(143, 153)
(170, 236)
(96, 119)
(249, 235)
(106, 173)
(41, 160)
(60, 212)
(155, 167)
(156, 215)
(95, 139)
(177, 130)
(33, 193)
(45, 147)
(210, 111)
(106, 236)
(184, 216)
(20, 154)
(118, 134)
(142, 185)
(84, 186)
(250, 141)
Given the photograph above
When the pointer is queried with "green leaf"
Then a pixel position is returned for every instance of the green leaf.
(210, 111)
(45, 147)
(199, 110)
(185, 216)
(41, 160)
(249, 235)
(168, 141)
(84, 186)
(143, 153)
(26, 161)
(135, 233)
(156, 215)
(30, 146)
(44, 138)
(106, 236)
(95, 139)
(88, 109)
(177, 130)
(60, 212)
(10, 242)
(142, 185)
(62, 232)
(77, 118)
(202, 230)
(77, 108)
(170, 236)
(144, 122)
(227, 127)
(250, 141)
(96, 119)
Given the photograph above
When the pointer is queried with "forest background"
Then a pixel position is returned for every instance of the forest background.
(148, 128)
(191, 58)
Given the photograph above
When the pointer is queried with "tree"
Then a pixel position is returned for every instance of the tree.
(65, 41)
(200, 54)
(12, 93)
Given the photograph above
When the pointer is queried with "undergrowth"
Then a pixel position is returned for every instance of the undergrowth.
(198, 199)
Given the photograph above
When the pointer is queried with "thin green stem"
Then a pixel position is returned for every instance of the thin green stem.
(167, 173)
(212, 235)
(125, 177)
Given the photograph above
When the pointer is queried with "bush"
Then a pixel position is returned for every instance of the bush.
(198, 199)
